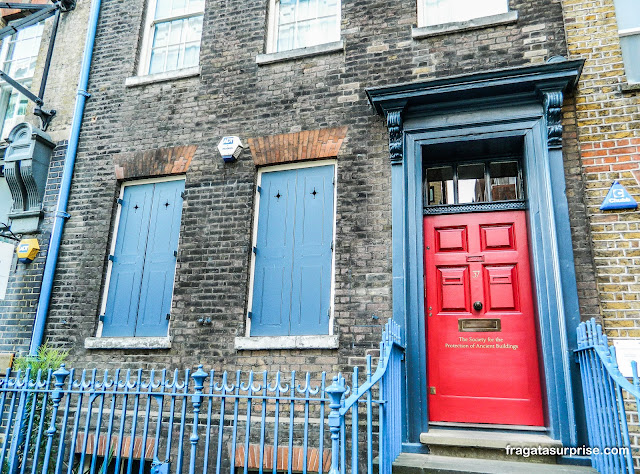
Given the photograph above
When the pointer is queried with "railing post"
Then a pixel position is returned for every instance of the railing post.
(336, 392)
(17, 440)
(199, 377)
(60, 375)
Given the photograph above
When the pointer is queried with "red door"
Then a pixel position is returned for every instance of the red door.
(481, 337)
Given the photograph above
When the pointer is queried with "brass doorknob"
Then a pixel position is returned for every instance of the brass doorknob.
(477, 305)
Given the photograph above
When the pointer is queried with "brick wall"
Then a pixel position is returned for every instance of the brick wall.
(607, 113)
(235, 96)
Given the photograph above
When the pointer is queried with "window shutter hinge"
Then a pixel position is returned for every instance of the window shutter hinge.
(112, 258)
(101, 318)
(168, 317)
(119, 201)
(333, 180)
(329, 312)
(259, 189)
(249, 315)
(175, 253)
(183, 195)
(332, 245)
(254, 250)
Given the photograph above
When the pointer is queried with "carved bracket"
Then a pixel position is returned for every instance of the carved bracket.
(394, 124)
(26, 167)
(552, 101)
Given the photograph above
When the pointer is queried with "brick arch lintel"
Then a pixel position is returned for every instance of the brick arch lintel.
(158, 162)
(298, 146)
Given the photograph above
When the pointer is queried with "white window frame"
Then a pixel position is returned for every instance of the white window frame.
(112, 250)
(423, 14)
(6, 90)
(273, 27)
(291, 342)
(148, 33)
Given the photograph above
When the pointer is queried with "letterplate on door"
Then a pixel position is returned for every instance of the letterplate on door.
(479, 325)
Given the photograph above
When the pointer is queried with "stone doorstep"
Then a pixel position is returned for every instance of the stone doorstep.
(489, 445)
(485, 439)
(408, 463)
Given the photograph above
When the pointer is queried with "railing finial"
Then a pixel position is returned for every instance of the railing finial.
(336, 392)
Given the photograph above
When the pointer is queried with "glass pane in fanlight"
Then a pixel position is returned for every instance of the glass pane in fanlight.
(157, 60)
(471, 183)
(504, 180)
(439, 189)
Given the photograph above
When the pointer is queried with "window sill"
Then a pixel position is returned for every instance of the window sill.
(458, 26)
(317, 50)
(630, 87)
(162, 77)
(286, 342)
(127, 343)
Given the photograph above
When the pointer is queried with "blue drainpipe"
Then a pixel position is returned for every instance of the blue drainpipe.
(65, 184)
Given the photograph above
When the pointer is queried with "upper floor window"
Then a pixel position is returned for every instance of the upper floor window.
(18, 59)
(437, 12)
(629, 31)
(302, 23)
(172, 37)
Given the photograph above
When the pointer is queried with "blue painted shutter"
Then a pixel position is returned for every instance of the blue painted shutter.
(311, 281)
(143, 269)
(126, 271)
(292, 277)
(160, 261)
(274, 254)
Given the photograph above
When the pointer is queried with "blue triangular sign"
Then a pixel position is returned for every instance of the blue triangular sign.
(618, 198)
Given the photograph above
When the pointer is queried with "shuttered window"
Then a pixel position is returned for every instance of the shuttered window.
(293, 253)
(140, 284)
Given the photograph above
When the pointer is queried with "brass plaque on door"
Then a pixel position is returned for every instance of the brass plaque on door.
(479, 325)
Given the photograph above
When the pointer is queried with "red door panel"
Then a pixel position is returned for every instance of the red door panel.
(481, 338)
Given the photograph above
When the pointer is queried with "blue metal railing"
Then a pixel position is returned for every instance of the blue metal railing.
(606, 413)
(380, 392)
(77, 422)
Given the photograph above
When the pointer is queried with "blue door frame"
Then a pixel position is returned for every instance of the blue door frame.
(524, 102)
